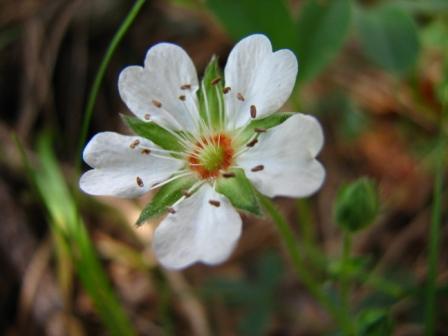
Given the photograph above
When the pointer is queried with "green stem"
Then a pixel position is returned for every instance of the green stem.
(434, 233)
(291, 245)
(345, 279)
(100, 76)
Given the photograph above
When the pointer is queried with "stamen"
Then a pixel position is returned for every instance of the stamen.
(171, 210)
(185, 87)
(215, 81)
(186, 193)
(147, 116)
(252, 143)
(215, 203)
(182, 97)
(139, 182)
(134, 144)
(259, 130)
(226, 89)
(240, 96)
(228, 175)
(253, 111)
(257, 168)
(145, 151)
(156, 103)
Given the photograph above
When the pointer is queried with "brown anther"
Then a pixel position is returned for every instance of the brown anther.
(185, 87)
(253, 111)
(182, 97)
(240, 96)
(215, 203)
(139, 182)
(252, 143)
(171, 210)
(257, 168)
(215, 81)
(186, 193)
(156, 103)
(134, 143)
(146, 116)
(226, 89)
(228, 174)
(145, 151)
(259, 130)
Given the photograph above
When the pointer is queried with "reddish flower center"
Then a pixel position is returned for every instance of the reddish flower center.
(211, 155)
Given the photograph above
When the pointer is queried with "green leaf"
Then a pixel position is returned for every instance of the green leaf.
(239, 191)
(375, 322)
(164, 198)
(265, 123)
(389, 38)
(357, 205)
(68, 228)
(321, 31)
(424, 6)
(245, 17)
(211, 97)
(153, 132)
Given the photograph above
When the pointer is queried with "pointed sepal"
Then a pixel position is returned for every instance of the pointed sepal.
(239, 190)
(211, 96)
(165, 197)
(263, 124)
(157, 134)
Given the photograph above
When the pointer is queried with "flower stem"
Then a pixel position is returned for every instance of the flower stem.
(434, 232)
(345, 283)
(289, 240)
(100, 75)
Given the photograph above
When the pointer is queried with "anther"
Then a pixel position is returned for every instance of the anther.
(253, 111)
(145, 151)
(134, 144)
(186, 193)
(139, 182)
(182, 97)
(185, 87)
(252, 143)
(240, 96)
(228, 175)
(156, 103)
(215, 81)
(171, 210)
(146, 116)
(226, 89)
(259, 130)
(257, 168)
(215, 203)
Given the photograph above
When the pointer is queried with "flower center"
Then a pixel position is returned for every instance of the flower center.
(211, 155)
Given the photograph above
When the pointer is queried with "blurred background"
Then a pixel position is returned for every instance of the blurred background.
(371, 71)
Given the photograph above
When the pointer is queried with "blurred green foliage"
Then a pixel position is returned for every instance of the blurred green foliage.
(389, 37)
(387, 33)
(256, 297)
(73, 245)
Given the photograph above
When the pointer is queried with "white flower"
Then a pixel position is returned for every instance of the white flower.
(212, 127)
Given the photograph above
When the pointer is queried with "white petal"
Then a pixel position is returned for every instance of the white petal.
(287, 153)
(198, 231)
(120, 170)
(264, 78)
(167, 68)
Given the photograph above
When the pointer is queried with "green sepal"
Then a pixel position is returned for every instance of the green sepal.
(165, 197)
(239, 191)
(270, 121)
(153, 132)
(211, 96)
